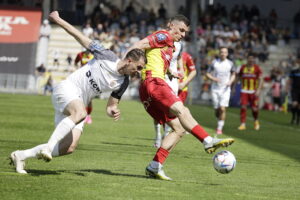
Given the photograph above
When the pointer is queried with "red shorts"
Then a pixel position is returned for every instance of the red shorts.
(252, 99)
(158, 97)
(182, 95)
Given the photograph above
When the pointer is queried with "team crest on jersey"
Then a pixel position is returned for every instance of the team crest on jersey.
(161, 37)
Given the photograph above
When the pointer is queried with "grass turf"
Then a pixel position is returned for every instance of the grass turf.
(111, 157)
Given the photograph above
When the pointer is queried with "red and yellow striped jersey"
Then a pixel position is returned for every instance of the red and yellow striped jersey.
(188, 66)
(83, 57)
(159, 56)
(250, 77)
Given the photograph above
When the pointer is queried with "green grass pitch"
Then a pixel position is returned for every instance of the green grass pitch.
(111, 157)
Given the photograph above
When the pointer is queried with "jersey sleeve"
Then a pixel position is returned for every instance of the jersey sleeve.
(211, 67)
(233, 67)
(190, 63)
(240, 73)
(100, 53)
(160, 39)
(118, 93)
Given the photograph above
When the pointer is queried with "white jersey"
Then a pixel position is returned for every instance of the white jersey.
(221, 70)
(100, 74)
(173, 67)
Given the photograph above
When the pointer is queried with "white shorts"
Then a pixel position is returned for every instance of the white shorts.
(220, 97)
(173, 84)
(62, 95)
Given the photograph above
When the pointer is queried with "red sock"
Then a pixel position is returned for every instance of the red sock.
(243, 114)
(255, 114)
(161, 155)
(199, 133)
(89, 110)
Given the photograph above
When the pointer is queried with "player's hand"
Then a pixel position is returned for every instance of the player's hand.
(217, 80)
(181, 86)
(114, 112)
(228, 84)
(53, 16)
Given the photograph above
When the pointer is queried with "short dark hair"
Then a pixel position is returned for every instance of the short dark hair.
(222, 47)
(136, 54)
(251, 54)
(180, 18)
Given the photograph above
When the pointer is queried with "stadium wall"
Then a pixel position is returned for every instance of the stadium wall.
(19, 34)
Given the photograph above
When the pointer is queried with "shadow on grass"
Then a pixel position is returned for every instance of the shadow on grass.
(108, 172)
(124, 144)
(34, 172)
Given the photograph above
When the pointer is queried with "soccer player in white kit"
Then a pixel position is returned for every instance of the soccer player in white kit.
(222, 72)
(106, 72)
(174, 84)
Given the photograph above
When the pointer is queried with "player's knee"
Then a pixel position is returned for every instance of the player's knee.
(177, 109)
(80, 115)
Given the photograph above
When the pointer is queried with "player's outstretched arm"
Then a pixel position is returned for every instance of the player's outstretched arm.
(142, 44)
(112, 108)
(82, 39)
(190, 77)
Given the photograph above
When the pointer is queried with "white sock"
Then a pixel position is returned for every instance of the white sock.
(157, 131)
(207, 140)
(220, 124)
(155, 164)
(61, 130)
(31, 153)
(167, 130)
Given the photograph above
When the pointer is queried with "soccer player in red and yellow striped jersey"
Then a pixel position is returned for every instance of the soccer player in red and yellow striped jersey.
(161, 102)
(251, 82)
(189, 73)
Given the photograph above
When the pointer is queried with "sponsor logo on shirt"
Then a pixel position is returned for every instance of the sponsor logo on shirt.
(92, 82)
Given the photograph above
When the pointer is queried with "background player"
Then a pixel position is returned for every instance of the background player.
(222, 72)
(294, 87)
(83, 58)
(189, 73)
(105, 73)
(160, 101)
(251, 79)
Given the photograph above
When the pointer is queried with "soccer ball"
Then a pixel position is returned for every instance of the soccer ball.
(224, 162)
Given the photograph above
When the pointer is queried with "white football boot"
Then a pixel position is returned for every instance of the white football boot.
(17, 162)
(45, 154)
(217, 143)
(157, 173)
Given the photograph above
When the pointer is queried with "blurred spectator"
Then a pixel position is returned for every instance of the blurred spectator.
(277, 88)
(45, 31)
(40, 70)
(69, 59)
(48, 86)
(297, 24)
(87, 30)
(162, 12)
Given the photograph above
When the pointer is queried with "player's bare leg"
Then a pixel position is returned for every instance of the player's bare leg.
(243, 114)
(76, 113)
(191, 125)
(221, 119)
(66, 146)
